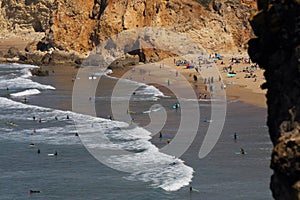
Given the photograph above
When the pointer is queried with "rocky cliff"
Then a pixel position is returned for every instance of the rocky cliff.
(277, 50)
(68, 25)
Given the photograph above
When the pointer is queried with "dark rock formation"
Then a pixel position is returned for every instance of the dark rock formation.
(39, 72)
(12, 52)
(277, 50)
(123, 62)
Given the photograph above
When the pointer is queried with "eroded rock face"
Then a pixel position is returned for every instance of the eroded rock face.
(82, 25)
(285, 182)
(277, 50)
(25, 15)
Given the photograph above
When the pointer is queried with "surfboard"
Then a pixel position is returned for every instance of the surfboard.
(11, 124)
(239, 153)
(195, 190)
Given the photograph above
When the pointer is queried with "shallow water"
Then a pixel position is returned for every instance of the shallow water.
(76, 174)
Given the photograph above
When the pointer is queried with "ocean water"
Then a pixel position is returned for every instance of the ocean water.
(77, 174)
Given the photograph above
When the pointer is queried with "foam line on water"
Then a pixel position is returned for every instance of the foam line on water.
(148, 164)
(23, 83)
(18, 66)
(26, 93)
(145, 89)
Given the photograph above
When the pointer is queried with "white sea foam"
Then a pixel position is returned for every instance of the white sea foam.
(145, 161)
(16, 76)
(150, 90)
(23, 83)
(144, 88)
(26, 93)
(26, 73)
(18, 66)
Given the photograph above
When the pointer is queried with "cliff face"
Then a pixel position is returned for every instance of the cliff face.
(277, 50)
(25, 15)
(81, 25)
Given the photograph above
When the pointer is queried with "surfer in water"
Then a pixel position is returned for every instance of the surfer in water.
(55, 153)
(34, 191)
(242, 151)
(160, 134)
(38, 151)
(235, 136)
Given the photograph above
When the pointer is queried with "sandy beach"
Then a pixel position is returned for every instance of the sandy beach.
(237, 88)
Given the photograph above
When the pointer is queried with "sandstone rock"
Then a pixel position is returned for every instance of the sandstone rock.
(121, 63)
(12, 52)
(83, 25)
(39, 72)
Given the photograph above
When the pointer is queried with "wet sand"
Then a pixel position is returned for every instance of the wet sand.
(238, 88)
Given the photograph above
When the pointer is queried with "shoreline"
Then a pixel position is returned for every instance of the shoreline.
(244, 89)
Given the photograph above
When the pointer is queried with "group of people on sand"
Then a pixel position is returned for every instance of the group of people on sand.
(249, 70)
